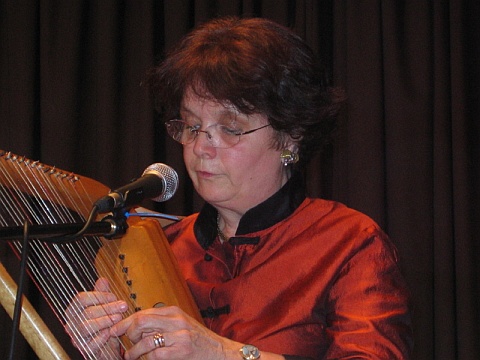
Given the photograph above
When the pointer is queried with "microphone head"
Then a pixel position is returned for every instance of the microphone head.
(169, 178)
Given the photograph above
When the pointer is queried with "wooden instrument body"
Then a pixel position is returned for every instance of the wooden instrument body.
(32, 326)
(145, 269)
(140, 265)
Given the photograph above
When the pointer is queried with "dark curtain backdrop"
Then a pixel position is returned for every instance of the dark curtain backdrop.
(406, 153)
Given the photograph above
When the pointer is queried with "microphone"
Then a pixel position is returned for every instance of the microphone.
(158, 182)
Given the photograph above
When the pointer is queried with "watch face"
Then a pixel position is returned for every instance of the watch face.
(250, 352)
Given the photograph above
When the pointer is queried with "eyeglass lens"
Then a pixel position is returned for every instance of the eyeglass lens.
(218, 135)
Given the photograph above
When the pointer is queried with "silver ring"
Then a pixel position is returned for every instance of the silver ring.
(158, 340)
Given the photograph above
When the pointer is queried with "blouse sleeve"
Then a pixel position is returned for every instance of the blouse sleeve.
(368, 313)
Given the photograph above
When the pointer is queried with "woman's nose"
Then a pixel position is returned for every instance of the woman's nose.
(203, 144)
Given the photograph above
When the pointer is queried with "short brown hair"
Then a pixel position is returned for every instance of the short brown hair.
(258, 66)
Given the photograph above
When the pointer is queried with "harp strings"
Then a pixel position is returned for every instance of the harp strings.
(44, 195)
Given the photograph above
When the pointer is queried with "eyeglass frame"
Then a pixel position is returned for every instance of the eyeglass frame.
(209, 136)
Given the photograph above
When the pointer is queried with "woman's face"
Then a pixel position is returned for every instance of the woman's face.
(235, 178)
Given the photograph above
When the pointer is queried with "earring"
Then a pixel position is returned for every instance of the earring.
(288, 157)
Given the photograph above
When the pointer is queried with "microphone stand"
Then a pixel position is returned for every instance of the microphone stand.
(110, 227)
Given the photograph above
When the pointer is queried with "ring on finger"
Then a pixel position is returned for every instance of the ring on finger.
(158, 340)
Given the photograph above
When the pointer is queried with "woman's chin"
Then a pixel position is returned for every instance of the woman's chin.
(213, 198)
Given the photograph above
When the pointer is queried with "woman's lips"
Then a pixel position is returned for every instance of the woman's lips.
(205, 174)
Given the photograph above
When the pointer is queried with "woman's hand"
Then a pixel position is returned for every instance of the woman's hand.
(89, 318)
(185, 338)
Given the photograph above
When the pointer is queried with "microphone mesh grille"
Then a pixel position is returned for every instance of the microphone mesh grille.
(169, 177)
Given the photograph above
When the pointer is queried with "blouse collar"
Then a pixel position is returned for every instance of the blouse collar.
(266, 214)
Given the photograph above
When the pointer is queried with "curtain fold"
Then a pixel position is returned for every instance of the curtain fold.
(408, 156)
(407, 148)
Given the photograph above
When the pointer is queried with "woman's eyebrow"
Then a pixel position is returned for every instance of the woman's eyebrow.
(183, 108)
(223, 114)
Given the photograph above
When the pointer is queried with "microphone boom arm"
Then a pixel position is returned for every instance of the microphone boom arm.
(110, 227)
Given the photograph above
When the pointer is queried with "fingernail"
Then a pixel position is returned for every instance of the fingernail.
(123, 306)
(116, 317)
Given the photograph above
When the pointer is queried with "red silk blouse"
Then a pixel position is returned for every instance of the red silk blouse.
(302, 276)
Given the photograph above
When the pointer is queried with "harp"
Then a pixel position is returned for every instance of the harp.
(38, 194)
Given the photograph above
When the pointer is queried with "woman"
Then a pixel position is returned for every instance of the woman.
(275, 274)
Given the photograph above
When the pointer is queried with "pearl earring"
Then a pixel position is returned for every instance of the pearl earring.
(288, 157)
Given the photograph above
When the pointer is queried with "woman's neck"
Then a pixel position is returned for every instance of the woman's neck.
(227, 224)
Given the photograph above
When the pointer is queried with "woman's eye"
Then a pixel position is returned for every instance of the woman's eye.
(230, 131)
(192, 128)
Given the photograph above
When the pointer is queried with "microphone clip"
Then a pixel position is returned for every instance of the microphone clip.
(118, 224)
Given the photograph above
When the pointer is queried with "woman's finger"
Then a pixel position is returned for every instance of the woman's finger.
(88, 328)
(102, 284)
(148, 344)
(116, 307)
(151, 320)
(101, 346)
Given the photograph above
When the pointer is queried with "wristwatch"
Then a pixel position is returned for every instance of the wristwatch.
(249, 352)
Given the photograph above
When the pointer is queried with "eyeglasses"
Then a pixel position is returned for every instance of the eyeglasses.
(220, 136)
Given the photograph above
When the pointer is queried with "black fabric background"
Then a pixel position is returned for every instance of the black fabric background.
(406, 153)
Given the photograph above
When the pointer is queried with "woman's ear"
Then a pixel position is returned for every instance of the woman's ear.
(293, 147)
